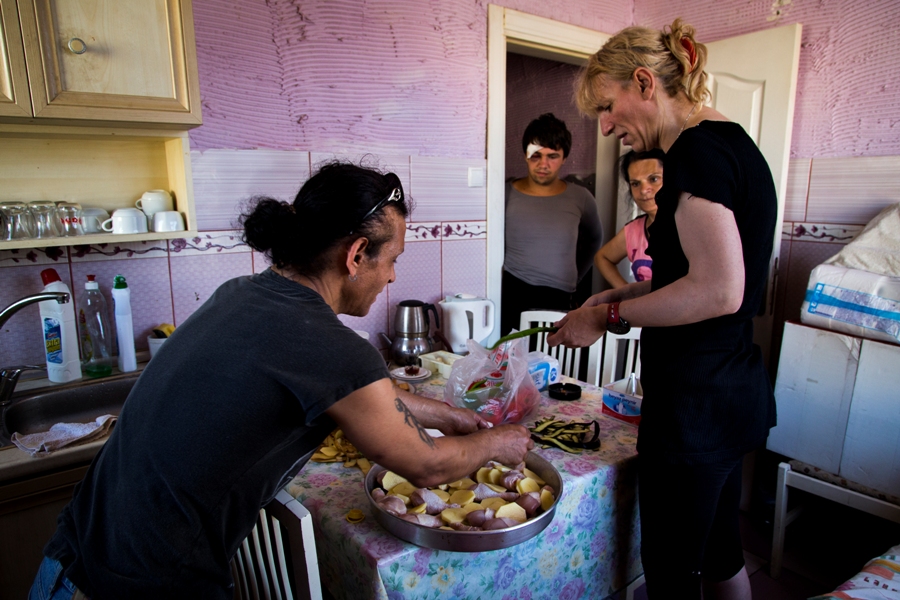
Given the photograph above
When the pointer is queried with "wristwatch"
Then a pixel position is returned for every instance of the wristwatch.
(614, 321)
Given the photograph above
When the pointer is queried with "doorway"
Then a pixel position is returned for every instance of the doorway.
(511, 31)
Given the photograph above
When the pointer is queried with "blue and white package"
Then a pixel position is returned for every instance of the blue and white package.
(543, 369)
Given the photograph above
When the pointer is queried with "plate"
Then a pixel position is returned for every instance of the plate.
(400, 373)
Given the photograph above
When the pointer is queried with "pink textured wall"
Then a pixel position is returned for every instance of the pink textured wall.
(382, 76)
(848, 96)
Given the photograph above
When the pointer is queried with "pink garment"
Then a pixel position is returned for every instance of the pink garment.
(636, 249)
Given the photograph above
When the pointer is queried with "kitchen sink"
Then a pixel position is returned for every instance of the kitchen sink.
(37, 410)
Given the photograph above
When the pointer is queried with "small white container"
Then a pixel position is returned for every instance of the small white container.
(124, 325)
(154, 343)
(439, 362)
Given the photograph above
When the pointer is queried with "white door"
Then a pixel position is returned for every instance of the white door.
(754, 82)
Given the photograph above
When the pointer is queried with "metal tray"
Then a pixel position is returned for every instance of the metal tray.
(469, 541)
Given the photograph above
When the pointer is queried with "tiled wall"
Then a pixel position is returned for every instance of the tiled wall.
(829, 201)
(445, 246)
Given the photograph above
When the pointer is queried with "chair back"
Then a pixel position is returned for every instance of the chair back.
(616, 357)
(278, 561)
(569, 358)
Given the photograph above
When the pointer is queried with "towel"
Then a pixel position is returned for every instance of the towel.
(64, 434)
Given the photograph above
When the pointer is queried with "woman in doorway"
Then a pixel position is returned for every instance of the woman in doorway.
(642, 171)
(707, 398)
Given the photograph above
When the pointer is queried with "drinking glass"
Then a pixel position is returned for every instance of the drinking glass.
(46, 221)
(71, 218)
(17, 221)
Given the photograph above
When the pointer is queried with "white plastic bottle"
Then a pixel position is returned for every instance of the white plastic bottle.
(60, 334)
(96, 333)
(124, 326)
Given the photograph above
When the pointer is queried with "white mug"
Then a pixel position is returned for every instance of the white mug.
(154, 201)
(168, 220)
(93, 219)
(126, 220)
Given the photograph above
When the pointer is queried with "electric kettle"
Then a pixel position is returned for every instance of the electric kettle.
(466, 317)
(412, 330)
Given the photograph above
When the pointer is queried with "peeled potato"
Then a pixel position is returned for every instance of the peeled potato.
(391, 479)
(401, 496)
(472, 506)
(420, 509)
(461, 497)
(445, 496)
(495, 476)
(454, 515)
(497, 488)
(404, 488)
(547, 500)
(493, 503)
(483, 475)
(329, 451)
(533, 475)
(513, 511)
(462, 484)
(364, 465)
(527, 484)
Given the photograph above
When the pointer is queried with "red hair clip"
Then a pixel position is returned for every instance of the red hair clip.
(692, 53)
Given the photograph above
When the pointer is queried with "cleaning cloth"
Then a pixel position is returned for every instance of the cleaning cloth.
(64, 434)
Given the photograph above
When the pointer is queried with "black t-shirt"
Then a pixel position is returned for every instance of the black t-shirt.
(216, 424)
(707, 395)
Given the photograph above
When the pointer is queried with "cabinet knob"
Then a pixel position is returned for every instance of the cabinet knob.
(77, 46)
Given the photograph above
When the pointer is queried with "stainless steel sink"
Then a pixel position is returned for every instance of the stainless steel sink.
(37, 410)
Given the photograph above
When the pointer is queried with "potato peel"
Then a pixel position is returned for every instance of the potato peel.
(337, 448)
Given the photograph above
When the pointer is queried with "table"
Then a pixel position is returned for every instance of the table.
(591, 549)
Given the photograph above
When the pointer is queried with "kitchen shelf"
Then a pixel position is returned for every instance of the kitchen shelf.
(96, 167)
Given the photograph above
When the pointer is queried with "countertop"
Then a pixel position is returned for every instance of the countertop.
(17, 464)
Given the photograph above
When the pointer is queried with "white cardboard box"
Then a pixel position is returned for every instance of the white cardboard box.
(871, 454)
(813, 391)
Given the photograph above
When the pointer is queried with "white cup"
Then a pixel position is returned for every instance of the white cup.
(168, 220)
(126, 220)
(93, 219)
(154, 343)
(154, 201)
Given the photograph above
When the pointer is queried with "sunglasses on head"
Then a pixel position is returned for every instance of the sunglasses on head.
(396, 196)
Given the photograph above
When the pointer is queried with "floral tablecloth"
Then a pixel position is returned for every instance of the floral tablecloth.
(591, 549)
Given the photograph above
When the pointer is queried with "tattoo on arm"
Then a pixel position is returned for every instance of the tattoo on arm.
(410, 419)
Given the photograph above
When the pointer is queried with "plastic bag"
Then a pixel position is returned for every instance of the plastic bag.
(494, 383)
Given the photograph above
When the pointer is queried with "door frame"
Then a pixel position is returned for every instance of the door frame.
(531, 35)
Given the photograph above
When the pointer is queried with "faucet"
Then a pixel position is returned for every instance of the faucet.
(9, 376)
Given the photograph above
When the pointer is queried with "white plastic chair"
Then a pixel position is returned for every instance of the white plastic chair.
(569, 358)
(278, 561)
(615, 357)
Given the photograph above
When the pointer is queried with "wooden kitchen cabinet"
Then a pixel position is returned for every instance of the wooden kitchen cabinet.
(96, 167)
(99, 62)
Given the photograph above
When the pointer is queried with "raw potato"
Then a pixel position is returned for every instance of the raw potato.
(527, 485)
(498, 488)
(495, 476)
(329, 451)
(337, 448)
(405, 488)
(547, 500)
(454, 515)
(513, 511)
(391, 479)
(529, 473)
(461, 497)
(472, 506)
(445, 496)
(419, 510)
(462, 484)
(493, 503)
(401, 496)
(483, 475)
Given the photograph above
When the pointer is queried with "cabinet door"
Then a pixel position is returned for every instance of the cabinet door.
(108, 60)
(14, 98)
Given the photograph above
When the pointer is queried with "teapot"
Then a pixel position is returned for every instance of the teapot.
(413, 331)
(466, 317)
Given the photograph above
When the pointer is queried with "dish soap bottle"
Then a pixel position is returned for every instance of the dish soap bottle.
(96, 334)
(124, 325)
(60, 336)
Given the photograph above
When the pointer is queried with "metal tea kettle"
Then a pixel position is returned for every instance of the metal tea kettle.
(412, 330)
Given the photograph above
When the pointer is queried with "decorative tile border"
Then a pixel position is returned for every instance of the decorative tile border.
(33, 256)
(423, 232)
(464, 230)
(118, 251)
(221, 242)
(820, 232)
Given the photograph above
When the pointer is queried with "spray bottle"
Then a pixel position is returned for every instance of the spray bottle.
(60, 335)
(96, 334)
(124, 325)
